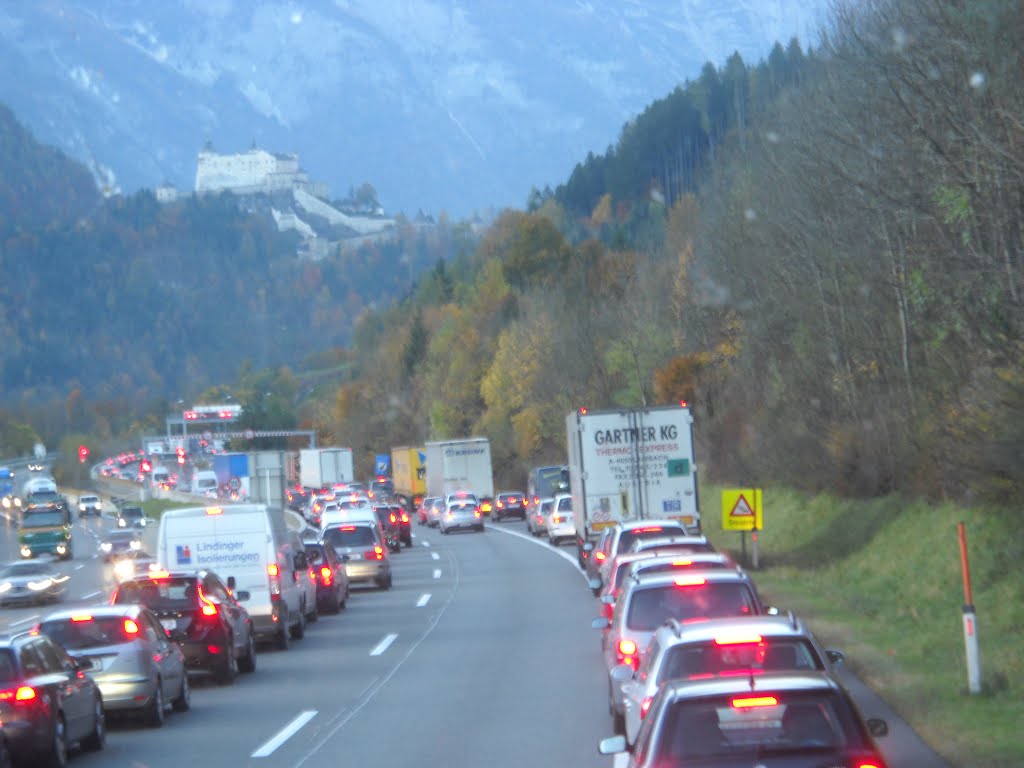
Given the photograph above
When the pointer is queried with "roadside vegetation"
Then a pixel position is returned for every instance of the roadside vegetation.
(880, 579)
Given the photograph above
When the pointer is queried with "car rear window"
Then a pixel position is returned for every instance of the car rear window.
(86, 633)
(771, 654)
(159, 594)
(649, 607)
(350, 536)
(8, 666)
(626, 538)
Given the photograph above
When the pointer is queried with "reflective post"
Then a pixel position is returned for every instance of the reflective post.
(970, 620)
(755, 550)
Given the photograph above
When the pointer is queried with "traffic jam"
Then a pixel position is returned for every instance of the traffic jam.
(697, 668)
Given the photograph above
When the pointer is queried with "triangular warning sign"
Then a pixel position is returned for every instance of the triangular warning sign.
(742, 508)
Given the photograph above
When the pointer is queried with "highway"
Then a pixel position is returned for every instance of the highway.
(482, 654)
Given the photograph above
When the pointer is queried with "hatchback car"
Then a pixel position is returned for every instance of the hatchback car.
(775, 720)
(47, 701)
(138, 668)
(201, 615)
(561, 526)
(90, 504)
(462, 514)
(31, 581)
(132, 517)
(509, 504)
(363, 551)
(422, 511)
(738, 645)
(536, 518)
(437, 506)
(331, 576)
(645, 604)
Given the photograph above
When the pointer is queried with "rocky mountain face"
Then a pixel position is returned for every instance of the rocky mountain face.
(455, 105)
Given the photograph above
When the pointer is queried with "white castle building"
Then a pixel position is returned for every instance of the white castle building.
(251, 172)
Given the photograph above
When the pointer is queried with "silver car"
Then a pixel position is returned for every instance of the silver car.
(137, 667)
(31, 581)
(361, 547)
(741, 644)
(461, 514)
(537, 520)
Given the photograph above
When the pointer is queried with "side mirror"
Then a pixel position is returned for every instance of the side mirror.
(607, 599)
(601, 623)
(83, 663)
(771, 610)
(877, 727)
(622, 673)
(242, 595)
(836, 657)
(613, 745)
(231, 583)
(594, 584)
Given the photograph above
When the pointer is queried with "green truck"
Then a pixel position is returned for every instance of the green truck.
(45, 528)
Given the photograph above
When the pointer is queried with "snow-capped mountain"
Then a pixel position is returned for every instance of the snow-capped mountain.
(458, 105)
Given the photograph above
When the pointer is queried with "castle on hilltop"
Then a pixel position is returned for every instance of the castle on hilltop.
(253, 172)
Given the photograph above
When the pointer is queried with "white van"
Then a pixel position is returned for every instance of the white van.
(249, 547)
(204, 483)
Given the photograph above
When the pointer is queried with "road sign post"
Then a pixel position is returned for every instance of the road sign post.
(742, 511)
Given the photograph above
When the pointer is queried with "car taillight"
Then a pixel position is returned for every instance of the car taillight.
(312, 575)
(131, 629)
(627, 652)
(608, 610)
(327, 575)
(754, 701)
(275, 582)
(24, 693)
(273, 570)
(644, 706)
(394, 518)
(476, 512)
(377, 553)
(600, 556)
(405, 518)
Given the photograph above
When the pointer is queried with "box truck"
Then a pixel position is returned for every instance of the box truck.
(630, 464)
(460, 465)
(322, 467)
(409, 475)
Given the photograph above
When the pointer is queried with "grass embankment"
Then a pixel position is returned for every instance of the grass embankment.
(881, 580)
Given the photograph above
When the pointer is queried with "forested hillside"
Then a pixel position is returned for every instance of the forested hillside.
(823, 252)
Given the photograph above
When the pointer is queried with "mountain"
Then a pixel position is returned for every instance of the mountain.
(439, 104)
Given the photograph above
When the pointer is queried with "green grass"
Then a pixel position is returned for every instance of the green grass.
(880, 579)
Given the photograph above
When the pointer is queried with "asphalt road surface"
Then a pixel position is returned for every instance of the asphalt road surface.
(481, 654)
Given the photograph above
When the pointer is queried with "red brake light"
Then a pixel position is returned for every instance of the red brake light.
(273, 570)
(627, 647)
(327, 575)
(394, 518)
(130, 628)
(650, 529)
(348, 527)
(405, 518)
(600, 556)
(24, 693)
(867, 765)
(691, 581)
(754, 701)
(377, 553)
(738, 640)
(682, 562)
(476, 512)
(312, 575)
(644, 706)
(81, 617)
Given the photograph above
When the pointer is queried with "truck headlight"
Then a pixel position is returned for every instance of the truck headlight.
(26, 552)
(39, 586)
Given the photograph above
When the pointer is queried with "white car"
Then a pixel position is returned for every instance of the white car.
(560, 525)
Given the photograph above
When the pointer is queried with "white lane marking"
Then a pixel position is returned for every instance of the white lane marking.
(437, 573)
(383, 645)
(424, 599)
(285, 733)
(91, 595)
(435, 555)
(80, 566)
(426, 543)
(547, 547)
(26, 620)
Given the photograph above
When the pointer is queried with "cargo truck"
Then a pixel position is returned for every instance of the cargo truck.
(322, 467)
(630, 464)
(460, 465)
(409, 475)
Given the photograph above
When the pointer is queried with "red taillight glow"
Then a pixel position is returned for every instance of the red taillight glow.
(650, 529)
(682, 562)
(377, 553)
(348, 527)
(81, 617)
(627, 647)
(600, 556)
(209, 609)
(755, 701)
(273, 570)
(692, 581)
(326, 575)
(405, 518)
(476, 512)
(867, 765)
(214, 649)
(24, 693)
(130, 627)
(644, 706)
(312, 575)
(394, 518)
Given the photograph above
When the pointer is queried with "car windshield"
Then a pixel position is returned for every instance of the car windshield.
(32, 519)
(766, 722)
(159, 594)
(649, 607)
(77, 634)
(679, 564)
(132, 512)
(350, 536)
(627, 537)
(714, 657)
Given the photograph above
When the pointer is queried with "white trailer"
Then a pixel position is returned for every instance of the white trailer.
(322, 467)
(460, 465)
(630, 464)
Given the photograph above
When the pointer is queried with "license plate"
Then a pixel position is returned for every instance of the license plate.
(169, 624)
(356, 556)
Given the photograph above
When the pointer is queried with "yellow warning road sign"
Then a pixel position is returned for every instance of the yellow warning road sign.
(741, 509)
